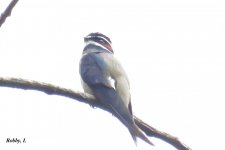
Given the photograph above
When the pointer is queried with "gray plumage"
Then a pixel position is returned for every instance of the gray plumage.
(103, 76)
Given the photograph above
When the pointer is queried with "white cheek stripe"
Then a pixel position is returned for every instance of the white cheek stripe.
(97, 44)
(99, 37)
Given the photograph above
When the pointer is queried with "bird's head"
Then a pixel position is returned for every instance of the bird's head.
(99, 39)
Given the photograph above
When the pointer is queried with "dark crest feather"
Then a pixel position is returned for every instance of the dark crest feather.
(95, 34)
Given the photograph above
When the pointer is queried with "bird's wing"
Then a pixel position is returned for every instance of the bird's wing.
(93, 73)
(118, 75)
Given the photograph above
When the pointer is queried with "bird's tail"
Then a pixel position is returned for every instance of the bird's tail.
(135, 132)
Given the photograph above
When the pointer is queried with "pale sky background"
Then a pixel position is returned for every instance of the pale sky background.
(172, 50)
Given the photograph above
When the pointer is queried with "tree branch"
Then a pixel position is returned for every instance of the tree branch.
(88, 99)
(7, 11)
(153, 132)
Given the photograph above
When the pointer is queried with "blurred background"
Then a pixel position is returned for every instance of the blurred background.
(173, 52)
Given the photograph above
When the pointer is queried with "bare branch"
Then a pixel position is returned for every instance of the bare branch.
(153, 132)
(7, 11)
(88, 99)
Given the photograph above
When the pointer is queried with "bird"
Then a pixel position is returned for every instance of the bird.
(103, 76)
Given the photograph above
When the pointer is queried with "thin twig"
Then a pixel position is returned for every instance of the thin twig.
(7, 11)
(88, 99)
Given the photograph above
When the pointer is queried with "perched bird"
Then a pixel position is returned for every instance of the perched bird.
(103, 76)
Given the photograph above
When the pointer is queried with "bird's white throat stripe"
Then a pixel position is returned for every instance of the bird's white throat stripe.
(97, 44)
(101, 37)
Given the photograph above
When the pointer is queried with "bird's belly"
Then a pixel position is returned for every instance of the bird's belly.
(122, 88)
